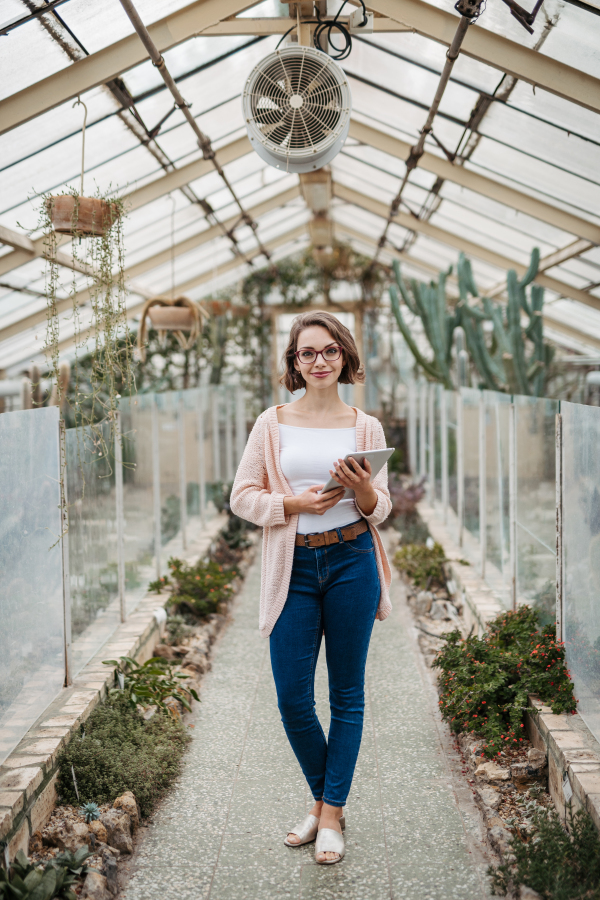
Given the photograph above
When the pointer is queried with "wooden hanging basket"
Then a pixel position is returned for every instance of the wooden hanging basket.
(81, 216)
(181, 316)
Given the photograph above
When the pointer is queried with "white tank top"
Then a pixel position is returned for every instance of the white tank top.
(306, 456)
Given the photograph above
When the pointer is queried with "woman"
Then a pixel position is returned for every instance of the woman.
(324, 569)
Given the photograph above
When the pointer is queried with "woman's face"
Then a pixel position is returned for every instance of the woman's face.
(321, 372)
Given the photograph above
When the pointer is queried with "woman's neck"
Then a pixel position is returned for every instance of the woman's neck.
(318, 409)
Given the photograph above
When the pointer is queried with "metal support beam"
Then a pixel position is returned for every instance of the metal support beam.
(277, 25)
(120, 514)
(460, 243)
(487, 187)
(106, 64)
(490, 48)
(558, 434)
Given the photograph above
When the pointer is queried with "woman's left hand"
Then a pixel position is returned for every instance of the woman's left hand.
(358, 479)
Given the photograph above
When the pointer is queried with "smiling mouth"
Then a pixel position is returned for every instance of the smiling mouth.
(320, 374)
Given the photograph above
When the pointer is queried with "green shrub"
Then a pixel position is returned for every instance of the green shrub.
(197, 589)
(559, 865)
(423, 565)
(118, 751)
(152, 683)
(485, 681)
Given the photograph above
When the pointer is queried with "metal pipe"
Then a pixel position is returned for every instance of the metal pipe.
(560, 632)
(417, 151)
(444, 449)
(512, 500)
(431, 434)
(156, 485)
(64, 546)
(201, 458)
(204, 141)
(482, 483)
(120, 515)
(460, 466)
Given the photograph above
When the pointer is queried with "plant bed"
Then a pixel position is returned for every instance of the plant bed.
(484, 687)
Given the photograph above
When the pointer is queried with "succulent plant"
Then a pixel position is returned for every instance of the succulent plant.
(90, 812)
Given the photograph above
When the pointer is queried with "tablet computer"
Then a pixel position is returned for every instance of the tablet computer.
(377, 458)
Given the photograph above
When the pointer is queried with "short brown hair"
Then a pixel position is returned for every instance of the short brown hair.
(352, 370)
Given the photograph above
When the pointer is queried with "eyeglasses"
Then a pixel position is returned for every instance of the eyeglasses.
(329, 354)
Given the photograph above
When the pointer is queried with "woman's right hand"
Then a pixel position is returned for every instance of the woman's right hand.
(313, 502)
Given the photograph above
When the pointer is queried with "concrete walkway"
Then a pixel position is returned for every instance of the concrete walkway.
(412, 830)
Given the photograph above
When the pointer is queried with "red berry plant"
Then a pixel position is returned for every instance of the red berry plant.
(485, 681)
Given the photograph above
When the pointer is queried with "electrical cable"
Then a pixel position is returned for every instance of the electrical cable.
(325, 28)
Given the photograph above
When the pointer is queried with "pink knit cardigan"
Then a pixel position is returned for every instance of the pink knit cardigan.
(257, 496)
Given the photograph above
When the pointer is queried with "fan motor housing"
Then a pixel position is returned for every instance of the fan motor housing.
(297, 105)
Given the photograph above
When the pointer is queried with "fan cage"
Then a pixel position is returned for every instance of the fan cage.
(297, 103)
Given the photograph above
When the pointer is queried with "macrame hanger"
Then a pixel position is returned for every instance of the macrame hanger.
(79, 102)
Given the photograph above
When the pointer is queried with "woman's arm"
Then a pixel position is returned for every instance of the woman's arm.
(250, 498)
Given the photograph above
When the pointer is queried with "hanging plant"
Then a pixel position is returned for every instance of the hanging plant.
(181, 316)
(95, 225)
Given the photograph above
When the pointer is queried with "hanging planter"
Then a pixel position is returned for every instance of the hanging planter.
(181, 316)
(81, 216)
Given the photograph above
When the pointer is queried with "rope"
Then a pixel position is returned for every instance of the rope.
(79, 102)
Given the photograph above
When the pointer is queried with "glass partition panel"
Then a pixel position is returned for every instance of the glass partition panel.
(450, 401)
(536, 504)
(437, 438)
(581, 547)
(470, 399)
(167, 412)
(138, 496)
(91, 495)
(31, 601)
(497, 571)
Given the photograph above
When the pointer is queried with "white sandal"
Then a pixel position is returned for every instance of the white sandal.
(330, 841)
(306, 831)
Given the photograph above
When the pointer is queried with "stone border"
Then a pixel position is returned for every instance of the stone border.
(572, 750)
(28, 776)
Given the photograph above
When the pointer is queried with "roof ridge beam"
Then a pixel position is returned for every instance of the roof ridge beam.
(459, 243)
(494, 50)
(480, 184)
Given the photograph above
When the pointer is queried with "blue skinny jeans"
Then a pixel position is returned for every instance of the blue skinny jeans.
(334, 590)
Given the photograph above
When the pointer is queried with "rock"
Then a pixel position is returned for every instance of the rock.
(95, 887)
(109, 870)
(99, 830)
(499, 838)
(118, 828)
(536, 760)
(439, 610)
(67, 836)
(423, 602)
(489, 797)
(489, 771)
(128, 804)
(520, 771)
(36, 843)
(197, 662)
(527, 893)
(165, 651)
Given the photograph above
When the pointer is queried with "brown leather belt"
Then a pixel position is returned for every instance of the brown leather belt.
(325, 538)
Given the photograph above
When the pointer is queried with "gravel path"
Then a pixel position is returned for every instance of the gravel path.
(412, 830)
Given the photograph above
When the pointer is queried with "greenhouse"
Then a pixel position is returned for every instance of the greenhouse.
(375, 219)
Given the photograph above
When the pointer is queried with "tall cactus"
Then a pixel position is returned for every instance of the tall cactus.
(501, 361)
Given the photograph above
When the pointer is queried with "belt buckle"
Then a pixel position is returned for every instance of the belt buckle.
(307, 536)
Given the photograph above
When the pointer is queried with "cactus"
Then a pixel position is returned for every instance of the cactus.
(501, 363)
(90, 812)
